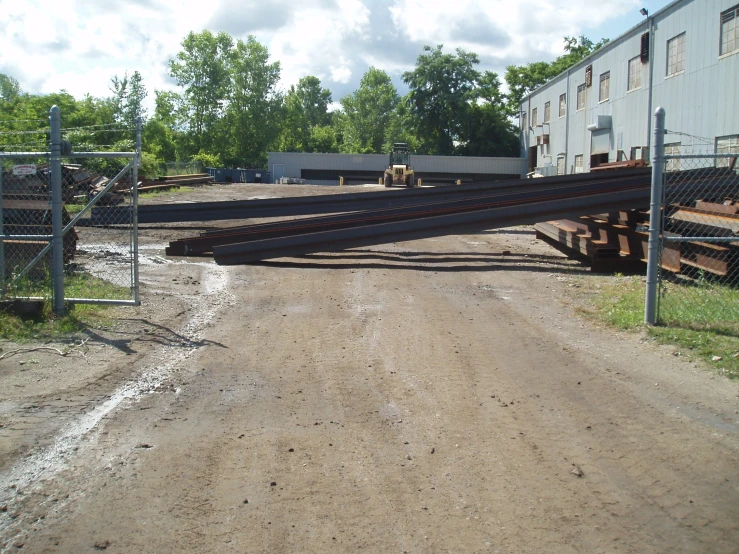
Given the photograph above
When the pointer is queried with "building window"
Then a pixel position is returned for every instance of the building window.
(581, 97)
(605, 87)
(672, 149)
(560, 165)
(635, 73)
(524, 122)
(639, 153)
(729, 31)
(562, 105)
(676, 55)
(727, 145)
(578, 164)
(534, 117)
(547, 112)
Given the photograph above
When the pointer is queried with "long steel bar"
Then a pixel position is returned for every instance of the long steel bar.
(135, 214)
(439, 225)
(57, 242)
(26, 237)
(206, 242)
(655, 218)
(284, 207)
(2, 232)
(99, 301)
(101, 155)
(10, 155)
(199, 245)
(700, 239)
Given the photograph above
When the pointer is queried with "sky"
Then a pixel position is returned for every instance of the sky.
(79, 45)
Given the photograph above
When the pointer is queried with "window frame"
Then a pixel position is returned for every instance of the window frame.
(731, 148)
(672, 149)
(581, 89)
(734, 13)
(547, 112)
(630, 86)
(564, 166)
(534, 117)
(579, 168)
(605, 77)
(563, 105)
(679, 63)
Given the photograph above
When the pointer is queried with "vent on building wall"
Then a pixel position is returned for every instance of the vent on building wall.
(644, 48)
(589, 76)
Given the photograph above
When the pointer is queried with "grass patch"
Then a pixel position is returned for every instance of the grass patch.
(704, 324)
(47, 325)
(74, 209)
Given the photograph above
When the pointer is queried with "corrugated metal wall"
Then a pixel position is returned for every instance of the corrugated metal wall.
(700, 101)
(292, 164)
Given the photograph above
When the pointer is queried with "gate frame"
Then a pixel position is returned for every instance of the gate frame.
(59, 149)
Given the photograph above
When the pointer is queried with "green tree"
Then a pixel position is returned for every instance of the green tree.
(10, 89)
(487, 130)
(401, 127)
(202, 68)
(128, 97)
(253, 104)
(305, 107)
(367, 112)
(522, 79)
(442, 88)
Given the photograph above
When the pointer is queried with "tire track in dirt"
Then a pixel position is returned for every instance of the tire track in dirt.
(43, 465)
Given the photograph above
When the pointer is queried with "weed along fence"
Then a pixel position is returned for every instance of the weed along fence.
(46, 193)
(694, 280)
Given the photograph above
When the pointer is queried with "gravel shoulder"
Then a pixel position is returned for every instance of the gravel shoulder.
(425, 396)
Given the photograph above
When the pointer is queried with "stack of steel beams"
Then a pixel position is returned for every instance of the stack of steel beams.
(377, 218)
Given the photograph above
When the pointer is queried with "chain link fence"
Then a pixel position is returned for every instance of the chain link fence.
(105, 254)
(48, 249)
(699, 251)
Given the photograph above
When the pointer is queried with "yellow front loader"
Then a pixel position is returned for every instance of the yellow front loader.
(399, 170)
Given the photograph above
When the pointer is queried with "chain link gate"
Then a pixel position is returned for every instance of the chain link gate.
(47, 250)
(698, 272)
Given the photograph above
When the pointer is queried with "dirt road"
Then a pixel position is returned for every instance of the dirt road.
(432, 396)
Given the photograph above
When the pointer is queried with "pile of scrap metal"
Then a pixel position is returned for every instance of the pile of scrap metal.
(78, 184)
(31, 217)
(617, 241)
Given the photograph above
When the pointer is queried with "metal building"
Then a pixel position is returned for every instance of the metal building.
(685, 58)
(326, 169)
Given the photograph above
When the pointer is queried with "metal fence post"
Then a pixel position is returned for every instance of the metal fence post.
(2, 242)
(135, 212)
(655, 218)
(57, 227)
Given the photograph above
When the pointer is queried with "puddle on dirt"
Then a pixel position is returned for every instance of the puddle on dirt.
(45, 464)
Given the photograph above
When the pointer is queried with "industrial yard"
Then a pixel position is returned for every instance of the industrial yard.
(443, 394)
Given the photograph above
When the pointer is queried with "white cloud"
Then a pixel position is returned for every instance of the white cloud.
(78, 45)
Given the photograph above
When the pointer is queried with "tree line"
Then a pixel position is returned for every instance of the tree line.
(229, 110)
